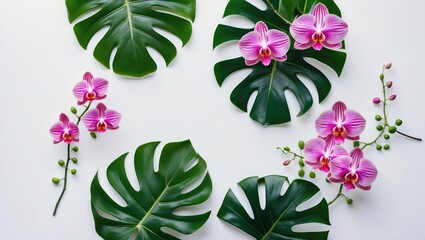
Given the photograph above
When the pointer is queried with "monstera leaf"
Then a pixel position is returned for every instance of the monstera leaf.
(148, 210)
(271, 82)
(280, 213)
(130, 25)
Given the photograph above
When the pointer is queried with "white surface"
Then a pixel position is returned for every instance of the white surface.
(41, 61)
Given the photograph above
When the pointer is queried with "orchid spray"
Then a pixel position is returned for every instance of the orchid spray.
(334, 127)
(96, 120)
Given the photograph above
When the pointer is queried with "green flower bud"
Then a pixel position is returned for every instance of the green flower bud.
(61, 162)
(73, 171)
(386, 136)
(378, 117)
(356, 143)
(312, 175)
(55, 180)
(327, 180)
(378, 147)
(287, 149)
(74, 160)
(75, 148)
(73, 110)
(301, 173)
(398, 122)
(379, 127)
(93, 135)
(386, 147)
(392, 129)
(301, 163)
(301, 144)
(349, 201)
(381, 77)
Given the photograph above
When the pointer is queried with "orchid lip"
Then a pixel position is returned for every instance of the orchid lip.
(351, 177)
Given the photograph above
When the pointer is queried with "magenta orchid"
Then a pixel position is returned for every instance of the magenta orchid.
(90, 89)
(64, 130)
(318, 29)
(264, 45)
(320, 152)
(101, 118)
(340, 122)
(353, 171)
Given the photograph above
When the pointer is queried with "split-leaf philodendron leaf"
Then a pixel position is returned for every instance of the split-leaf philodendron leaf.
(270, 82)
(276, 220)
(130, 28)
(152, 208)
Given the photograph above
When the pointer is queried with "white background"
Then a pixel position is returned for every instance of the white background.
(41, 61)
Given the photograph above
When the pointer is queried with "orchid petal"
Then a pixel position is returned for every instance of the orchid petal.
(340, 166)
(367, 172)
(278, 43)
(317, 46)
(100, 86)
(325, 123)
(64, 119)
(112, 119)
(356, 154)
(91, 118)
(338, 151)
(330, 142)
(80, 91)
(250, 46)
(262, 29)
(362, 187)
(88, 76)
(252, 62)
(335, 29)
(56, 131)
(302, 46)
(102, 110)
(332, 46)
(303, 28)
(354, 123)
(324, 168)
(349, 186)
(266, 61)
(281, 59)
(320, 11)
(75, 132)
(314, 151)
(339, 109)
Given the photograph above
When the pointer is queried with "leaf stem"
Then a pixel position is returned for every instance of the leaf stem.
(277, 12)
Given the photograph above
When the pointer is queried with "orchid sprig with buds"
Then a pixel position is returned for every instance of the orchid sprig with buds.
(326, 153)
(96, 120)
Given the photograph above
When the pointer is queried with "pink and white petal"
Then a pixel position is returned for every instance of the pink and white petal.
(112, 119)
(314, 150)
(262, 29)
(252, 62)
(64, 119)
(324, 168)
(339, 139)
(73, 129)
(100, 86)
(367, 188)
(329, 143)
(334, 180)
(320, 11)
(278, 42)
(339, 108)
(354, 123)
(325, 123)
(102, 110)
(303, 28)
(250, 45)
(356, 154)
(266, 61)
(317, 46)
(88, 76)
(335, 29)
(338, 151)
(367, 172)
(349, 186)
(57, 131)
(90, 119)
(302, 46)
(280, 59)
(340, 166)
(80, 90)
(332, 46)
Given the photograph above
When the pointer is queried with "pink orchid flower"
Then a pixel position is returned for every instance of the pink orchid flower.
(340, 122)
(101, 118)
(90, 89)
(320, 152)
(318, 29)
(353, 171)
(264, 45)
(64, 130)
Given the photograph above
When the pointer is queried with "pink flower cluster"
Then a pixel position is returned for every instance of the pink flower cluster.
(96, 120)
(317, 29)
(326, 153)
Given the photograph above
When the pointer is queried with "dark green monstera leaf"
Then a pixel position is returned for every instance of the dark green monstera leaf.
(271, 82)
(130, 25)
(280, 213)
(148, 210)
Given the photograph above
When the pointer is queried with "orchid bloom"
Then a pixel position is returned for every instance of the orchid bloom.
(340, 122)
(320, 152)
(318, 29)
(264, 45)
(101, 118)
(353, 171)
(90, 89)
(64, 130)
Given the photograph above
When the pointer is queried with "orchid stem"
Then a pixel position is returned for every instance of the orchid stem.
(64, 179)
(277, 12)
(408, 136)
(339, 194)
(84, 112)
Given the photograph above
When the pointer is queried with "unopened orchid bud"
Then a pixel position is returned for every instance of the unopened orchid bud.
(287, 162)
(301, 144)
(376, 100)
(73, 171)
(312, 175)
(73, 110)
(398, 122)
(392, 97)
(301, 173)
(392, 129)
(287, 149)
(301, 163)
(381, 77)
(74, 160)
(55, 180)
(61, 162)
(75, 148)
(349, 201)
(389, 84)
(388, 66)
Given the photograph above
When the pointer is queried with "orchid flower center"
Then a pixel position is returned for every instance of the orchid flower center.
(91, 95)
(265, 52)
(324, 160)
(67, 136)
(351, 177)
(318, 37)
(101, 126)
(338, 132)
